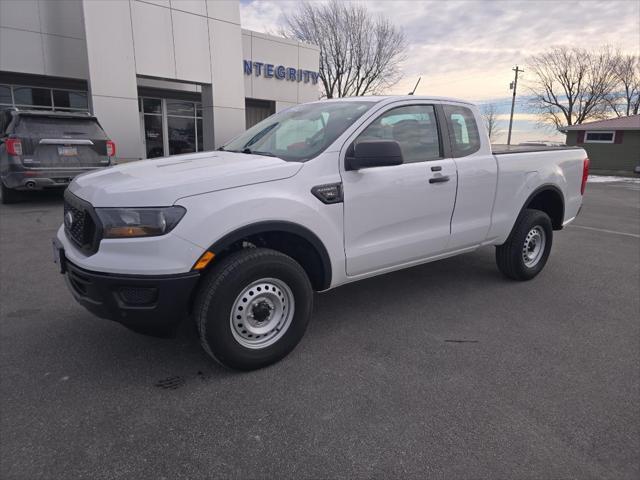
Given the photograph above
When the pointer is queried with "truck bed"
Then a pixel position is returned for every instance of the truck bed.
(501, 149)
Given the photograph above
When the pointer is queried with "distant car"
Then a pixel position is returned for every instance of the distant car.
(637, 169)
(45, 149)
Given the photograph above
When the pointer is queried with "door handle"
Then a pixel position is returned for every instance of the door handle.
(443, 178)
(437, 168)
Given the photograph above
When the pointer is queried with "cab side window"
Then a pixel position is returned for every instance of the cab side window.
(413, 127)
(463, 131)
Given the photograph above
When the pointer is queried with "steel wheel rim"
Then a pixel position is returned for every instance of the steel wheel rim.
(534, 245)
(262, 313)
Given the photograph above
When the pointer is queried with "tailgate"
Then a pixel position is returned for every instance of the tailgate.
(67, 143)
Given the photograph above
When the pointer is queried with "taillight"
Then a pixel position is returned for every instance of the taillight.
(14, 146)
(111, 148)
(585, 175)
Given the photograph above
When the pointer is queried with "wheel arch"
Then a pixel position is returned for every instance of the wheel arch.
(289, 238)
(550, 200)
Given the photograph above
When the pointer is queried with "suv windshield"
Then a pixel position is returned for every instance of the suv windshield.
(301, 132)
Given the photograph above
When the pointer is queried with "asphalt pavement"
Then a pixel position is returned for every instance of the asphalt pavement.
(446, 370)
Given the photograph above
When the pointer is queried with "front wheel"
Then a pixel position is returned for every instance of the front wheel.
(253, 308)
(525, 253)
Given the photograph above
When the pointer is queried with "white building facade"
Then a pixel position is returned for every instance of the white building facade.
(163, 76)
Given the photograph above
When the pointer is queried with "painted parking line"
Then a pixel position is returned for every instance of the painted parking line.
(604, 230)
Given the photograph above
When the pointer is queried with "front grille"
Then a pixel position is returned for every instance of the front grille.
(79, 224)
(76, 231)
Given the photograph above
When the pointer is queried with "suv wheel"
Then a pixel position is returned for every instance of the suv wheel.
(525, 253)
(253, 308)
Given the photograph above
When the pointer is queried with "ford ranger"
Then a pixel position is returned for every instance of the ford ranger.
(313, 197)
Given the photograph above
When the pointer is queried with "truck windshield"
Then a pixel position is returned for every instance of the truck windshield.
(299, 133)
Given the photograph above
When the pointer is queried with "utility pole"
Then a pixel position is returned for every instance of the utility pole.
(513, 87)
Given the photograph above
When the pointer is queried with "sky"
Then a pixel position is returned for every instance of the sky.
(467, 49)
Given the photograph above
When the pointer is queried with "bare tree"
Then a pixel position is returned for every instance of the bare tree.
(625, 99)
(359, 54)
(490, 116)
(572, 85)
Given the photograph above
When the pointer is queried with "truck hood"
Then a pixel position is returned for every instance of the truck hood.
(160, 182)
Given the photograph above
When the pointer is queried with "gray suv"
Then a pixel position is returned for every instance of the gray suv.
(44, 149)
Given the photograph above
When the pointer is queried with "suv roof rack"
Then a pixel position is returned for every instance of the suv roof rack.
(49, 113)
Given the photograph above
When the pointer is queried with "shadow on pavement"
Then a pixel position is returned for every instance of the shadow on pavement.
(364, 305)
(35, 197)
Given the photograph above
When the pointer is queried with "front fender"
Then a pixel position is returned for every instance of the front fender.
(217, 218)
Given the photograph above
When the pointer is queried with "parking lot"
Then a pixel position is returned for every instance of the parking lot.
(447, 370)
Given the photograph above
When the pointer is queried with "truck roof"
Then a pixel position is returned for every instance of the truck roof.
(384, 98)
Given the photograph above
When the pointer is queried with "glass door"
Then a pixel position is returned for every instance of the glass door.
(152, 119)
(181, 125)
(170, 126)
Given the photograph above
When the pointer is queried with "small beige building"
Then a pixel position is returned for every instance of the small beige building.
(613, 145)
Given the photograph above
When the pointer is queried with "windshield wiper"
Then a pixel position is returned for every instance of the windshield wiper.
(256, 152)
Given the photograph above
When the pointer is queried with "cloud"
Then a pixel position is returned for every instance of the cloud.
(530, 117)
(265, 15)
(467, 48)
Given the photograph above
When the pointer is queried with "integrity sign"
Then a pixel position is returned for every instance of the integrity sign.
(279, 72)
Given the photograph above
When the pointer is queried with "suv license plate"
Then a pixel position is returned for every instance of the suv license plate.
(67, 151)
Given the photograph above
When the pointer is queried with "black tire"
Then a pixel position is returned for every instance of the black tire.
(509, 255)
(9, 195)
(221, 287)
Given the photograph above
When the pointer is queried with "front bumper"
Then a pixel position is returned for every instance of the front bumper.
(148, 304)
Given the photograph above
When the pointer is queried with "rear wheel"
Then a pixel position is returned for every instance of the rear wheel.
(527, 249)
(253, 308)
(9, 195)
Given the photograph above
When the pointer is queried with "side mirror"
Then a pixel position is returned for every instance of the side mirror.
(373, 153)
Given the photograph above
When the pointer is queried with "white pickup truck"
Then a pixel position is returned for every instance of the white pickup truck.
(313, 197)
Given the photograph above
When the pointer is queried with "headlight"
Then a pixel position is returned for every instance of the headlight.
(138, 222)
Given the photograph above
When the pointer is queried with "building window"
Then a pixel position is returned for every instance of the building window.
(257, 110)
(171, 126)
(39, 98)
(32, 97)
(599, 137)
(67, 99)
(6, 100)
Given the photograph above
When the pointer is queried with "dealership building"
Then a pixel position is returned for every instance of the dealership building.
(163, 76)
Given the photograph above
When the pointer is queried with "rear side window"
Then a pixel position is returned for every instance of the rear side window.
(463, 131)
(413, 127)
(43, 127)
